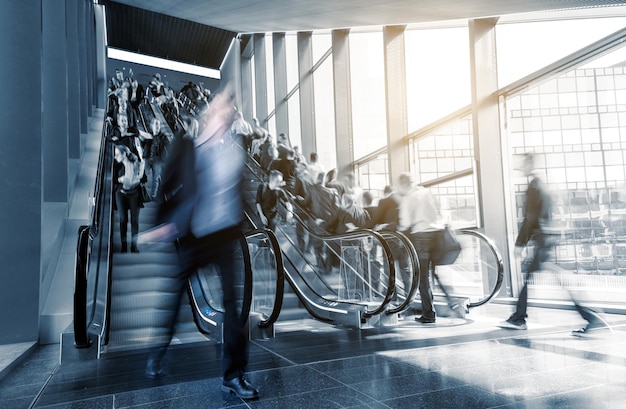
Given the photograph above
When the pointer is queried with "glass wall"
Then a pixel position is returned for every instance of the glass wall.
(367, 88)
(446, 150)
(293, 106)
(325, 113)
(373, 174)
(293, 103)
(271, 101)
(526, 47)
(437, 73)
(576, 125)
(253, 85)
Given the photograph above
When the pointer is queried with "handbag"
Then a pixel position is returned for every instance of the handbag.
(448, 248)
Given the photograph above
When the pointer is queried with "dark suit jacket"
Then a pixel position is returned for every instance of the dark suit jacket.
(387, 212)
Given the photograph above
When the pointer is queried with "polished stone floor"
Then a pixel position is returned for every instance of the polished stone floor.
(454, 363)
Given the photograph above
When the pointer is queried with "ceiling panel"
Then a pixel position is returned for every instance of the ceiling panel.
(155, 34)
(200, 31)
(252, 16)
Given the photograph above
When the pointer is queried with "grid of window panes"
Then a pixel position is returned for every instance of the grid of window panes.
(373, 175)
(576, 126)
(446, 150)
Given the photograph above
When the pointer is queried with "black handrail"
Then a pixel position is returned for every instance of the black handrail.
(500, 266)
(261, 176)
(81, 338)
(280, 274)
(86, 235)
(415, 268)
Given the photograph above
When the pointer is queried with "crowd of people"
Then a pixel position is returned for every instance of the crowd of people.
(339, 205)
(194, 172)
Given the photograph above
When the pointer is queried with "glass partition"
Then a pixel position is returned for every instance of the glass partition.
(442, 152)
(575, 124)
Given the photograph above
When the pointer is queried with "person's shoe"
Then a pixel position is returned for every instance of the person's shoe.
(240, 387)
(509, 324)
(154, 368)
(592, 325)
(124, 248)
(425, 320)
(134, 249)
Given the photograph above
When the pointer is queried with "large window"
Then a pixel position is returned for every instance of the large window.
(369, 116)
(271, 100)
(325, 114)
(372, 175)
(295, 134)
(437, 73)
(576, 126)
(526, 47)
(442, 152)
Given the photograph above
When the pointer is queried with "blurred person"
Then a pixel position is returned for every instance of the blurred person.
(136, 94)
(115, 82)
(242, 130)
(286, 165)
(155, 152)
(297, 155)
(314, 167)
(284, 140)
(537, 214)
(267, 152)
(419, 216)
(322, 204)
(347, 217)
(268, 198)
(259, 135)
(170, 107)
(127, 197)
(156, 86)
(203, 177)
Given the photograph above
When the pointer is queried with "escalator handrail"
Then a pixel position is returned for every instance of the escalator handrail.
(81, 338)
(359, 233)
(500, 265)
(86, 235)
(414, 262)
(280, 275)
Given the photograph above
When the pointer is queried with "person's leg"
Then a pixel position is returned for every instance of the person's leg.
(517, 320)
(235, 349)
(122, 209)
(422, 243)
(133, 203)
(157, 170)
(154, 364)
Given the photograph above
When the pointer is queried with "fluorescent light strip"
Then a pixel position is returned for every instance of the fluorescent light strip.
(122, 55)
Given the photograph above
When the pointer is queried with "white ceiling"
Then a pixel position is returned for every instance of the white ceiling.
(250, 16)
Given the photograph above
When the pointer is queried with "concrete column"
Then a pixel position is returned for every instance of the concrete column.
(54, 97)
(101, 58)
(21, 157)
(343, 99)
(260, 79)
(487, 139)
(247, 96)
(307, 102)
(395, 91)
(83, 73)
(280, 83)
(73, 79)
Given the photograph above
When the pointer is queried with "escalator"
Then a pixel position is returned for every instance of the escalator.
(122, 300)
(358, 292)
(376, 291)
